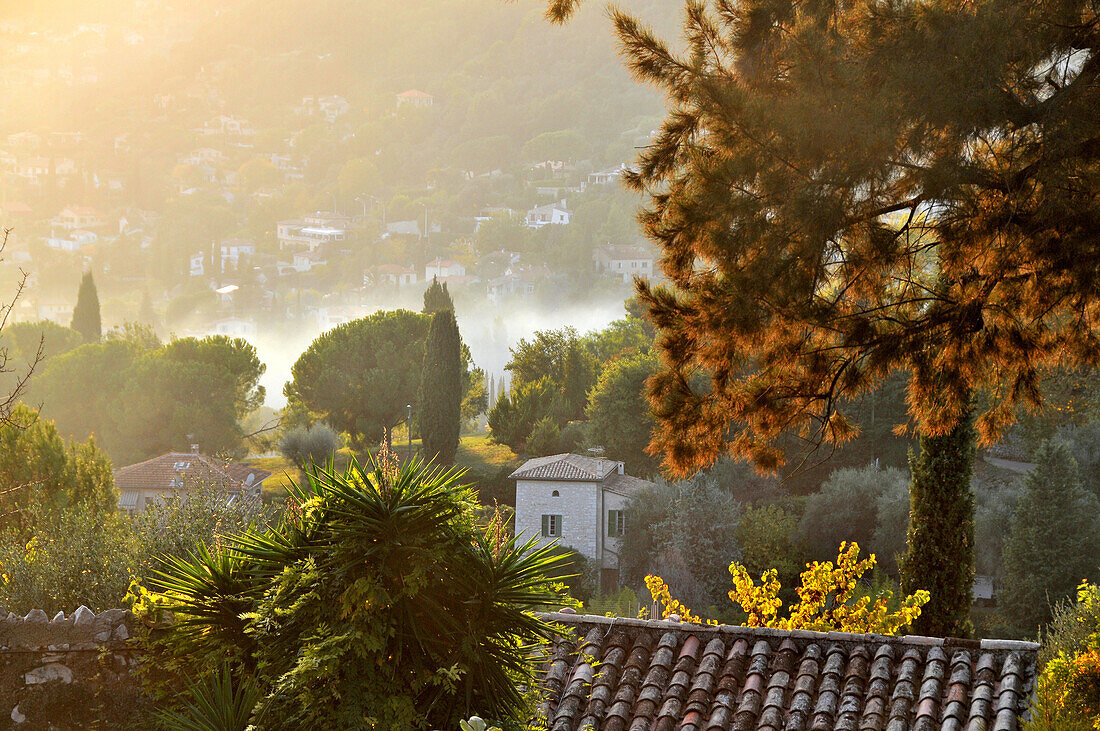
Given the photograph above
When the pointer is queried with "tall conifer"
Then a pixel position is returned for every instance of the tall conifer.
(437, 298)
(940, 555)
(86, 320)
(1052, 542)
(441, 388)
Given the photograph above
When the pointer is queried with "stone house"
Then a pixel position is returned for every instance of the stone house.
(579, 502)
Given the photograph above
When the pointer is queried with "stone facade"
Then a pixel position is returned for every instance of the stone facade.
(70, 672)
(576, 502)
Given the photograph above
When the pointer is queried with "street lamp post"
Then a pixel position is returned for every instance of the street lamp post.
(410, 424)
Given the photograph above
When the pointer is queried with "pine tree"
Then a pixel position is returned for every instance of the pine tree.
(940, 555)
(86, 319)
(839, 193)
(842, 191)
(441, 388)
(1052, 542)
(437, 298)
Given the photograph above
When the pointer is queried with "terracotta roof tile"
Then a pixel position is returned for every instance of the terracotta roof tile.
(179, 470)
(565, 467)
(632, 675)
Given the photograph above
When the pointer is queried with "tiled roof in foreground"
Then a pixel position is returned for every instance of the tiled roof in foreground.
(615, 674)
(565, 467)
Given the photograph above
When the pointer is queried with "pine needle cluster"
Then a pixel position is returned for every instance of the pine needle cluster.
(843, 190)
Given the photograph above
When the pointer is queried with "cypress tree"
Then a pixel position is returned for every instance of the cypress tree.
(437, 298)
(1052, 542)
(86, 319)
(441, 388)
(940, 555)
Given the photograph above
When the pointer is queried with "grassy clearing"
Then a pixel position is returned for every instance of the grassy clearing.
(486, 462)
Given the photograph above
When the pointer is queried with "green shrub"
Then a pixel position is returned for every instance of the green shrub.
(376, 602)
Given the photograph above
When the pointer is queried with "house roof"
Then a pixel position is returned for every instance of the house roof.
(180, 469)
(619, 674)
(626, 251)
(565, 467)
(624, 484)
(413, 94)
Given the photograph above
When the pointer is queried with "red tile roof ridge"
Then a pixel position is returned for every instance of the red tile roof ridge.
(988, 645)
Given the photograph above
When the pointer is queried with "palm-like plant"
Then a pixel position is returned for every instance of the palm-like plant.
(214, 703)
(377, 599)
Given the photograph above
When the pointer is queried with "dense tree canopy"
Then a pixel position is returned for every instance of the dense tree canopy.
(41, 473)
(360, 376)
(618, 414)
(841, 190)
(140, 398)
(1053, 543)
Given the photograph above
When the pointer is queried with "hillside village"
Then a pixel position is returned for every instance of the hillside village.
(234, 223)
(547, 366)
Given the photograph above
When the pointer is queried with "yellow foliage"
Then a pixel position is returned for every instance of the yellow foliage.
(1068, 694)
(826, 599)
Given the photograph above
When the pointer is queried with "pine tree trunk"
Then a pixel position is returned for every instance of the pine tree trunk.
(940, 555)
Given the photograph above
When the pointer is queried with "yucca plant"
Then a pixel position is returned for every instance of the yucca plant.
(377, 602)
(217, 702)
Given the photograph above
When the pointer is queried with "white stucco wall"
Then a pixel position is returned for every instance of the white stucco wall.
(577, 504)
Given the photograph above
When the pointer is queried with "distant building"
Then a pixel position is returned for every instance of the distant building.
(603, 177)
(55, 311)
(415, 98)
(443, 269)
(312, 231)
(75, 241)
(235, 327)
(202, 157)
(177, 473)
(329, 107)
(578, 501)
(984, 591)
(72, 217)
(392, 274)
(516, 281)
(623, 261)
(552, 214)
(233, 250)
(228, 127)
(403, 228)
(305, 261)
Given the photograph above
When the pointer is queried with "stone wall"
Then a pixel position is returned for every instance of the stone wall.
(577, 503)
(70, 672)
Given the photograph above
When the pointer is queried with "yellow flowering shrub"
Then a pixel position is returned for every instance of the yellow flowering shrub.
(826, 598)
(1068, 693)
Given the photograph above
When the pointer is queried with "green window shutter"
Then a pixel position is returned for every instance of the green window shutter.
(546, 525)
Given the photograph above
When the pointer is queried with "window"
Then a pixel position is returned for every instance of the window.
(551, 526)
(555, 494)
(616, 523)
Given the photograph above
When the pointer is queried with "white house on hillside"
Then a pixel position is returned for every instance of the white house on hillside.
(579, 502)
(623, 261)
(550, 214)
(443, 269)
